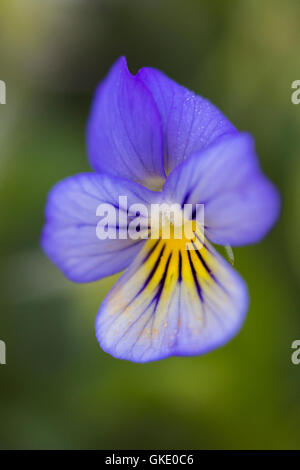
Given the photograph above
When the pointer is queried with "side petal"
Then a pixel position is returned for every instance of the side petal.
(69, 236)
(190, 122)
(172, 302)
(124, 130)
(240, 204)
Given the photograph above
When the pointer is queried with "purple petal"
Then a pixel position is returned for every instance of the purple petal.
(69, 237)
(124, 129)
(240, 204)
(190, 122)
(172, 302)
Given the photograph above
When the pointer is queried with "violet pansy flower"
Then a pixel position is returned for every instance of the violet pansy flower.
(153, 141)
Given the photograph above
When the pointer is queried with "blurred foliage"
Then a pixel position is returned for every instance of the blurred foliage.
(58, 389)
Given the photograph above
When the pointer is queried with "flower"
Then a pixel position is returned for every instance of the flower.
(153, 141)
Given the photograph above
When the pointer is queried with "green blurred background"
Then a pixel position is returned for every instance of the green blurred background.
(58, 389)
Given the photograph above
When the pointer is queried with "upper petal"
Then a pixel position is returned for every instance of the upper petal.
(124, 134)
(240, 204)
(69, 236)
(190, 122)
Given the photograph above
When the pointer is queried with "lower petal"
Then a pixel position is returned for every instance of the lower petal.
(172, 301)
